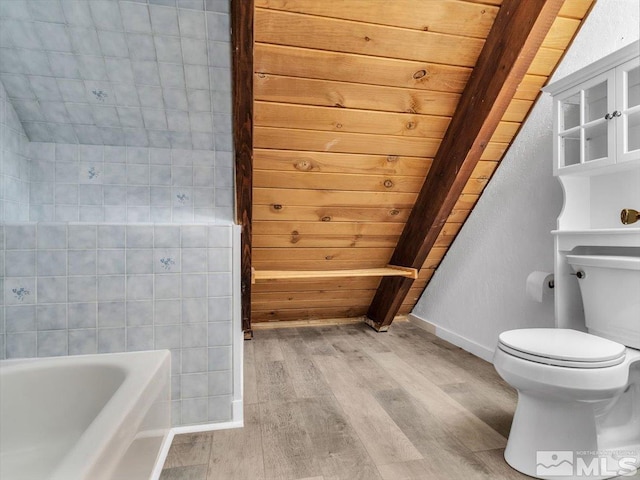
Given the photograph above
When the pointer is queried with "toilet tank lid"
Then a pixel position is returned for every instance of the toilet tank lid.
(562, 344)
(610, 261)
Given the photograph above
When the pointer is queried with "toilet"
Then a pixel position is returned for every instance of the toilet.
(578, 411)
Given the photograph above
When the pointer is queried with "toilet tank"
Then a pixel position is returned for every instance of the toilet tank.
(610, 287)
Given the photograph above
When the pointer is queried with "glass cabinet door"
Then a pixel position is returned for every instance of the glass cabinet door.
(585, 131)
(629, 111)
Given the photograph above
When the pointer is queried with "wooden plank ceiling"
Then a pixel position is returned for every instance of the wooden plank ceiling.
(351, 101)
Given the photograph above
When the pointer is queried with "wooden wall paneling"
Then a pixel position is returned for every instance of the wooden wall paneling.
(327, 93)
(515, 37)
(328, 198)
(282, 115)
(310, 284)
(279, 212)
(317, 141)
(328, 241)
(322, 33)
(271, 315)
(242, 80)
(326, 229)
(336, 181)
(442, 16)
(306, 161)
(346, 67)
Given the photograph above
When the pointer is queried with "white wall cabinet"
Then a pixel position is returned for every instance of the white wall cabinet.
(597, 161)
(597, 115)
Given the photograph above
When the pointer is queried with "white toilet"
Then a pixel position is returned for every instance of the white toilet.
(578, 412)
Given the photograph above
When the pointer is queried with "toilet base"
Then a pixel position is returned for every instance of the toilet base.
(547, 438)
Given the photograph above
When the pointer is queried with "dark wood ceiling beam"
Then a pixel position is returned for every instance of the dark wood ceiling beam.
(514, 39)
(242, 72)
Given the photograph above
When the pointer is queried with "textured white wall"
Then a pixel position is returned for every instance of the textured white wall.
(479, 289)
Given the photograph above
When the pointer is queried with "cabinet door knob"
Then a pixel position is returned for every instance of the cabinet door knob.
(608, 116)
(616, 113)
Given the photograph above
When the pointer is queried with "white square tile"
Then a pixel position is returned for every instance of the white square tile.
(46, 11)
(112, 136)
(160, 139)
(168, 49)
(139, 287)
(175, 98)
(126, 95)
(130, 117)
(146, 73)
(194, 51)
(119, 70)
(72, 90)
(105, 116)
(82, 289)
(77, 12)
(36, 63)
(111, 287)
(192, 23)
(80, 114)
(92, 67)
(45, 88)
(16, 9)
(141, 47)
(150, 96)
(154, 118)
(106, 15)
(171, 76)
(111, 314)
(201, 122)
(82, 262)
(164, 20)
(84, 40)
(54, 36)
(218, 26)
(17, 86)
(197, 77)
(135, 17)
(113, 44)
(23, 34)
(64, 65)
(178, 121)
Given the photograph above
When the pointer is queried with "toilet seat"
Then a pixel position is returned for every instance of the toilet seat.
(562, 347)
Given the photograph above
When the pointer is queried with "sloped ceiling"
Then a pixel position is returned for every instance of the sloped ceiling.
(351, 101)
(121, 72)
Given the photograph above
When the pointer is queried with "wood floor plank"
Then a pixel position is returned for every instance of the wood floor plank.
(462, 424)
(306, 378)
(382, 438)
(236, 454)
(442, 452)
(336, 444)
(287, 446)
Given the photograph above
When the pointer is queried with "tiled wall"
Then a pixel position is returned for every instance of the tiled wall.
(119, 72)
(14, 165)
(86, 288)
(95, 183)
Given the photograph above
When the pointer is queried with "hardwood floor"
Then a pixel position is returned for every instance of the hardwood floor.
(345, 402)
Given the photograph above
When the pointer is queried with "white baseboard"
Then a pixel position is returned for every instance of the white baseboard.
(454, 338)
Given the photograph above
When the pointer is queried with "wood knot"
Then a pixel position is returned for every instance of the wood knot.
(329, 257)
(261, 75)
(326, 218)
(338, 125)
(394, 212)
(482, 12)
(419, 74)
(425, 28)
(304, 165)
(339, 105)
(277, 206)
(367, 39)
(295, 236)
(392, 158)
(388, 183)
(411, 125)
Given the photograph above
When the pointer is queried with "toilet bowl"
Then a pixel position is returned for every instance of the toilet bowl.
(578, 411)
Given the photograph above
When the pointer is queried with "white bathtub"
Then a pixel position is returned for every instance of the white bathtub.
(83, 417)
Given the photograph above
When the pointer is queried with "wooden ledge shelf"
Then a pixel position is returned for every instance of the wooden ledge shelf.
(388, 271)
